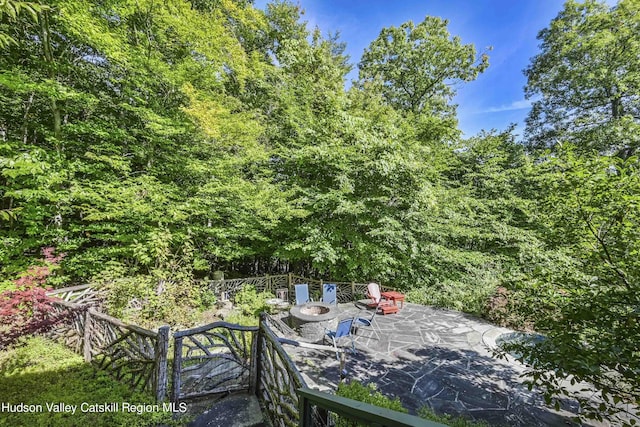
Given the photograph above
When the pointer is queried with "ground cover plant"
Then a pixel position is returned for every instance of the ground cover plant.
(43, 371)
(248, 304)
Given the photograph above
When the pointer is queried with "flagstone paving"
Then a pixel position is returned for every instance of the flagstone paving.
(438, 358)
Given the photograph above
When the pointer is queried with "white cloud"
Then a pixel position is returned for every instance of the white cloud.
(515, 105)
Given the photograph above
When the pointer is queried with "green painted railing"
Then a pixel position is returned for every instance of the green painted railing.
(315, 407)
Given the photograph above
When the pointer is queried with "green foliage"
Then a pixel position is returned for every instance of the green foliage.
(470, 295)
(148, 300)
(168, 294)
(239, 318)
(584, 82)
(479, 222)
(449, 420)
(367, 394)
(583, 290)
(416, 66)
(133, 157)
(12, 9)
(250, 302)
(43, 371)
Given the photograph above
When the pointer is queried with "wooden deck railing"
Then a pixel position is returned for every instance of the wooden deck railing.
(346, 291)
(324, 409)
(217, 358)
(81, 294)
(130, 353)
(213, 359)
(277, 379)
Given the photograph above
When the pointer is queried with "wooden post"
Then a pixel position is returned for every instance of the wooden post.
(161, 373)
(267, 283)
(177, 366)
(353, 290)
(304, 409)
(86, 339)
(290, 284)
(343, 364)
(256, 345)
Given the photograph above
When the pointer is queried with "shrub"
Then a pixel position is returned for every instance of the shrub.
(152, 299)
(367, 394)
(162, 288)
(250, 302)
(426, 413)
(25, 309)
(147, 301)
(469, 297)
(240, 319)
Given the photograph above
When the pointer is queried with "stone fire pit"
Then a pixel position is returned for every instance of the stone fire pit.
(312, 318)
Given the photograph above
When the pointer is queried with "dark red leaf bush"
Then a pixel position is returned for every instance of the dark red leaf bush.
(26, 309)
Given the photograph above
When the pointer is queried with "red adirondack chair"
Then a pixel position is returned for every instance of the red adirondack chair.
(382, 305)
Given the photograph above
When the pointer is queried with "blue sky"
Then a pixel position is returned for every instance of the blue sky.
(496, 98)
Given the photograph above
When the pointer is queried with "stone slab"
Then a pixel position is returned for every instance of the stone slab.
(241, 410)
(442, 359)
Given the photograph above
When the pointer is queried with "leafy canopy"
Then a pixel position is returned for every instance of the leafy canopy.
(415, 67)
(586, 79)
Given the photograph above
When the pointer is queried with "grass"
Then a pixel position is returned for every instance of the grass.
(43, 371)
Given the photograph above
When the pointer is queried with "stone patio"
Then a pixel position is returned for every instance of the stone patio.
(438, 358)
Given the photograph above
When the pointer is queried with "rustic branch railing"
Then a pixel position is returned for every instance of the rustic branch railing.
(132, 354)
(346, 291)
(213, 359)
(71, 331)
(222, 357)
(81, 294)
(278, 380)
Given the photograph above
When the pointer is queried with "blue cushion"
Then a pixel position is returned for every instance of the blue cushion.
(365, 322)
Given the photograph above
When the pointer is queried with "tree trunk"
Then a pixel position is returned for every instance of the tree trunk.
(51, 65)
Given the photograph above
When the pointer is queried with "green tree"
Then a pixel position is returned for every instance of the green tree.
(585, 81)
(10, 10)
(415, 67)
(477, 221)
(124, 124)
(581, 287)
